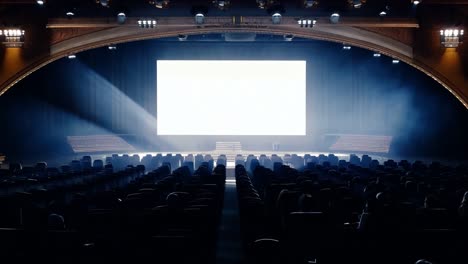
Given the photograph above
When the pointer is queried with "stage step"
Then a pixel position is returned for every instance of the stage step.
(362, 143)
(230, 149)
(99, 143)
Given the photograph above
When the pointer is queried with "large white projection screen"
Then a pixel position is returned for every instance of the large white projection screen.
(231, 97)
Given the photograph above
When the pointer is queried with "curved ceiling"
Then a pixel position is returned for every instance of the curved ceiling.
(392, 36)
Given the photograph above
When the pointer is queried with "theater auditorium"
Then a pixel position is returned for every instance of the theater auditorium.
(241, 131)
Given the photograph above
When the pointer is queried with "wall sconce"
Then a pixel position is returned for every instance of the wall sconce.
(12, 37)
(451, 37)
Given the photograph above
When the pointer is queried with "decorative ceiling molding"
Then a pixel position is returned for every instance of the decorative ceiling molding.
(389, 37)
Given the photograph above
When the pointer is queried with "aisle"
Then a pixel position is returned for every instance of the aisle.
(229, 247)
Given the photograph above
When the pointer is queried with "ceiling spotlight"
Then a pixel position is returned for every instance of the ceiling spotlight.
(199, 19)
(276, 18)
(395, 61)
(72, 56)
(40, 2)
(307, 22)
(335, 18)
(268, 4)
(261, 4)
(346, 47)
(356, 3)
(112, 47)
(199, 12)
(104, 3)
(288, 37)
(147, 23)
(222, 5)
(160, 4)
(121, 18)
(416, 2)
(384, 10)
(377, 55)
(310, 3)
(182, 37)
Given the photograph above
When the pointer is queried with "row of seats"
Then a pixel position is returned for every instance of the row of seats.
(352, 212)
(94, 214)
(299, 162)
(20, 178)
(293, 209)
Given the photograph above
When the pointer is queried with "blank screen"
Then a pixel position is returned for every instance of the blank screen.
(231, 97)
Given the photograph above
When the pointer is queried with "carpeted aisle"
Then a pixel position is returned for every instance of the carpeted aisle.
(229, 247)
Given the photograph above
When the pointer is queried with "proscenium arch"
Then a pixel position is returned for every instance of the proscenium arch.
(346, 34)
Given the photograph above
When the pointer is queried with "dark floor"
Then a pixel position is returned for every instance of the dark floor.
(229, 249)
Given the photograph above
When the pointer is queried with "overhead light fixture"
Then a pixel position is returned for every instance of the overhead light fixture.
(356, 3)
(199, 18)
(72, 56)
(395, 61)
(104, 3)
(268, 4)
(276, 18)
(199, 12)
(40, 2)
(310, 3)
(160, 4)
(12, 37)
(416, 2)
(384, 10)
(147, 23)
(222, 5)
(262, 4)
(335, 18)
(346, 47)
(288, 37)
(121, 18)
(377, 55)
(112, 47)
(308, 23)
(451, 37)
(70, 14)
